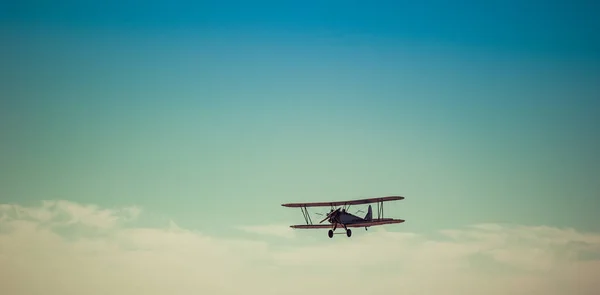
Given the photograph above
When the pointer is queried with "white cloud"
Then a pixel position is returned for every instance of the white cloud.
(483, 259)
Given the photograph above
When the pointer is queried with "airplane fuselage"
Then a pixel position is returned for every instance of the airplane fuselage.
(344, 218)
(347, 218)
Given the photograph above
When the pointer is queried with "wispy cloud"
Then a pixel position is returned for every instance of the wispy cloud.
(281, 230)
(481, 259)
(62, 212)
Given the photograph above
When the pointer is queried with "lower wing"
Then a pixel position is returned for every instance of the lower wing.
(373, 222)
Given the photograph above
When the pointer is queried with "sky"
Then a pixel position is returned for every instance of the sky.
(147, 148)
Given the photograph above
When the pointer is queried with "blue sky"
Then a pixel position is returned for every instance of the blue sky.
(213, 114)
(551, 26)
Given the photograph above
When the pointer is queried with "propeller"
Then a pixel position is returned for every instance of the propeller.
(331, 214)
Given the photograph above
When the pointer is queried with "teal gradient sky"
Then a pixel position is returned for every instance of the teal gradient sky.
(215, 116)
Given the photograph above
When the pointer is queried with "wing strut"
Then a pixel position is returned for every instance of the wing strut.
(306, 215)
(380, 209)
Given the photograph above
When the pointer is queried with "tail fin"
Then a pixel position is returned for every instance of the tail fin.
(369, 215)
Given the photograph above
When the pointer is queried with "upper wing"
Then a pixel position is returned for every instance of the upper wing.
(373, 222)
(344, 203)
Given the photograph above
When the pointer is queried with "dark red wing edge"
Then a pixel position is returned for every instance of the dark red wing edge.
(341, 203)
(362, 224)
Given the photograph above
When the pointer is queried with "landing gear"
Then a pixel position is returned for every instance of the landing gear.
(331, 233)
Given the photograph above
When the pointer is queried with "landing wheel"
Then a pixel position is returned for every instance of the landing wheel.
(330, 233)
(348, 232)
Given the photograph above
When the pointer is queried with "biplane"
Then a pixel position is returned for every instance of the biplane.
(341, 217)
